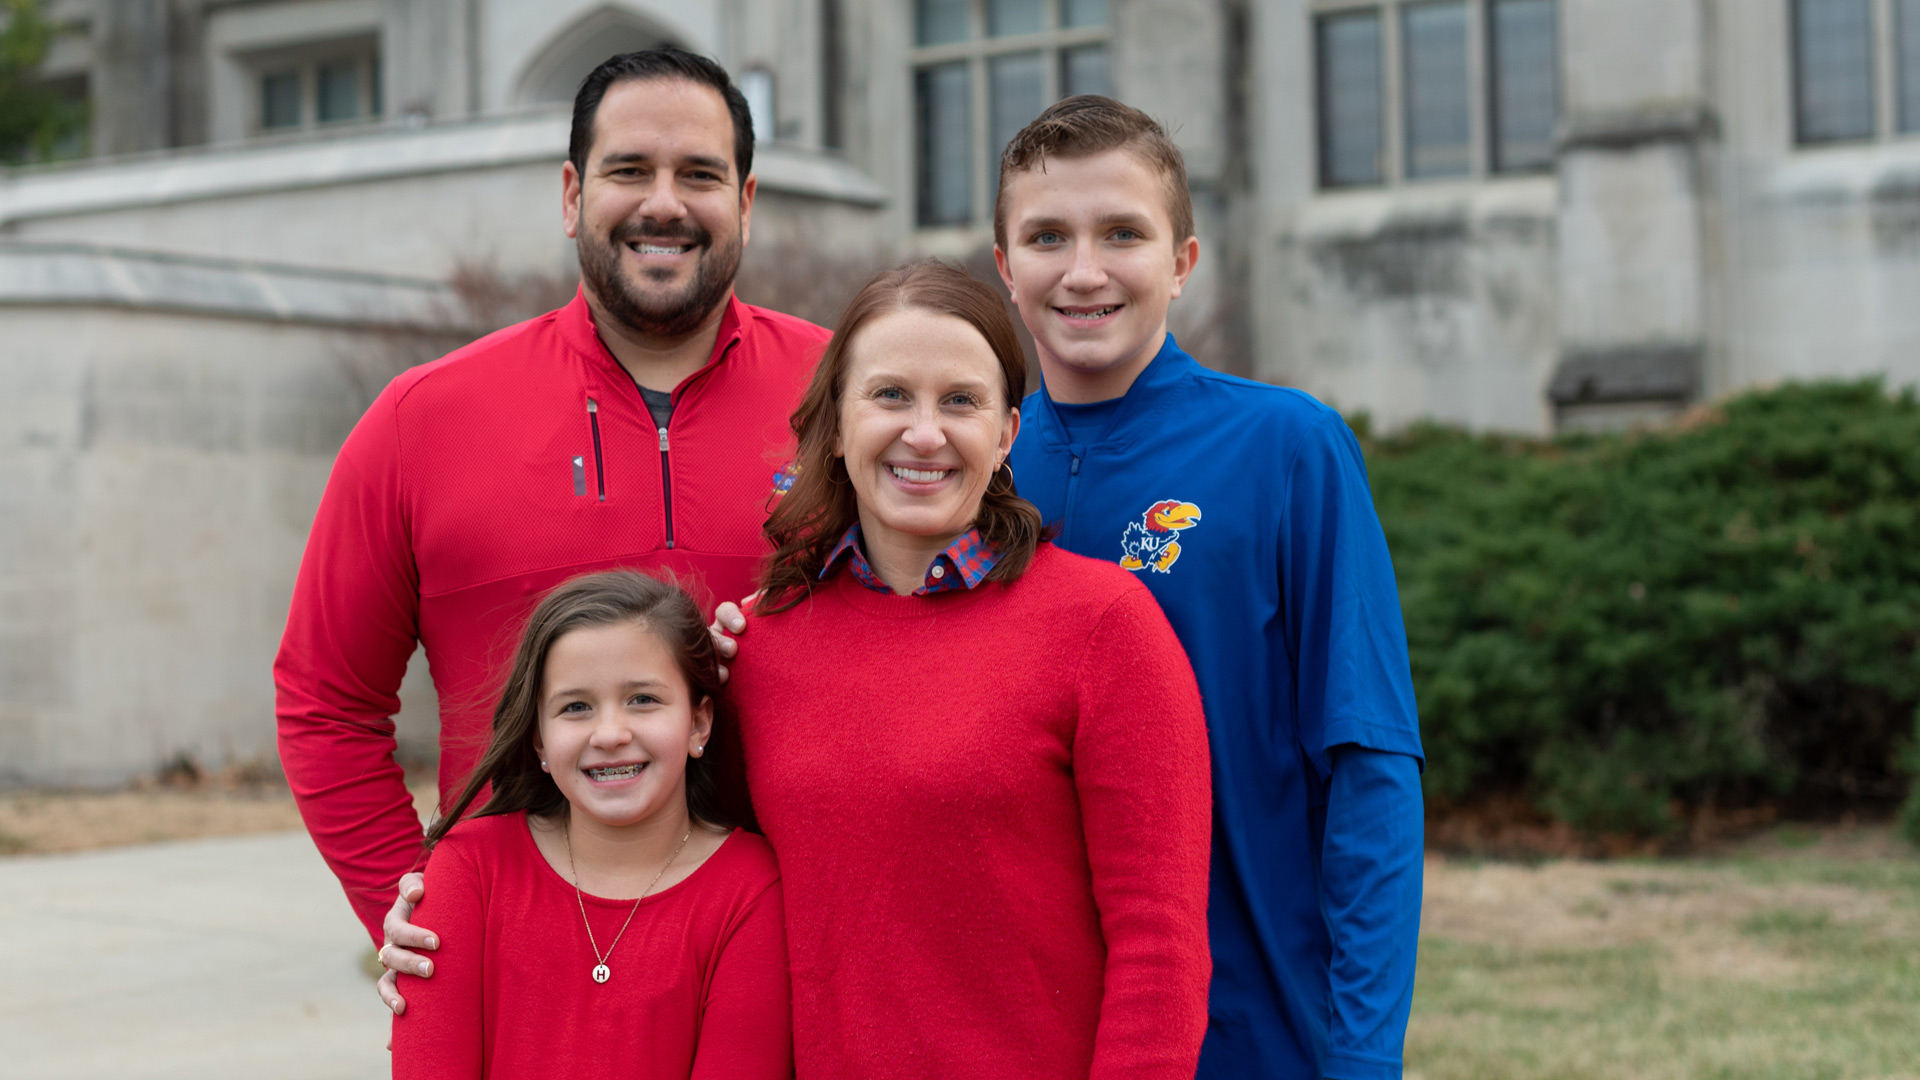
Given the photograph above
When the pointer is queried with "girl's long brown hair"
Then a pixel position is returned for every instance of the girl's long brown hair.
(610, 598)
(816, 511)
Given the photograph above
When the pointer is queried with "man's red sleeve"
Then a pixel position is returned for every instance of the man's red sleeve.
(352, 626)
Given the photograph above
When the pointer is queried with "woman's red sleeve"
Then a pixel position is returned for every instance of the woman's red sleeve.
(746, 1029)
(438, 1037)
(1146, 804)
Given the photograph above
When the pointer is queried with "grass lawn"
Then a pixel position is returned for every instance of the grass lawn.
(1795, 955)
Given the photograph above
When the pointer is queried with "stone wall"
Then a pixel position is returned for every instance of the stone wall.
(1819, 263)
(158, 470)
(1433, 300)
(188, 339)
(1683, 247)
(1435, 305)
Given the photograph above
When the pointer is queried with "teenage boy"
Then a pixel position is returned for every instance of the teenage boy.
(639, 426)
(1245, 508)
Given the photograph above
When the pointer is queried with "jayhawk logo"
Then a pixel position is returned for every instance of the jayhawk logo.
(1151, 540)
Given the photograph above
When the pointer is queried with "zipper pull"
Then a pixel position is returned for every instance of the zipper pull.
(1074, 469)
(593, 406)
(663, 440)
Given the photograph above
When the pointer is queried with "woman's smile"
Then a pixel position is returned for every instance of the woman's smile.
(918, 477)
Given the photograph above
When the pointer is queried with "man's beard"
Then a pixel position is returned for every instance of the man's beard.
(656, 315)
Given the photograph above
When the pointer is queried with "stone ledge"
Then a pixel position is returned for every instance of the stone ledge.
(361, 156)
(81, 275)
(1847, 174)
(1422, 210)
(1633, 129)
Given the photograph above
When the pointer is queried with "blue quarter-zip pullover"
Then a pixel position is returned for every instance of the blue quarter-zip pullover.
(1245, 508)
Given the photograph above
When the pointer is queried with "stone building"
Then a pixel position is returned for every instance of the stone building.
(1521, 215)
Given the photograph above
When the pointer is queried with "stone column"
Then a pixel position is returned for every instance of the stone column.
(1637, 134)
(428, 59)
(132, 73)
(1185, 62)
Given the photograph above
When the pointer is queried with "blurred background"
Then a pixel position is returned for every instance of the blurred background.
(1623, 297)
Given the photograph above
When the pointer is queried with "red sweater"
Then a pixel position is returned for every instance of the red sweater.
(992, 809)
(699, 986)
(470, 487)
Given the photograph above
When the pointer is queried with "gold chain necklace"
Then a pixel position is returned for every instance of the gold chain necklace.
(601, 973)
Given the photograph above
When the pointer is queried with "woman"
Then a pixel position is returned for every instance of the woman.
(980, 759)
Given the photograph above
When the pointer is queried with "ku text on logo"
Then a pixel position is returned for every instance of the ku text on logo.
(1152, 541)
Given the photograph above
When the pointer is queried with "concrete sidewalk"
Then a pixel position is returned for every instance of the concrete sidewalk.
(215, 959)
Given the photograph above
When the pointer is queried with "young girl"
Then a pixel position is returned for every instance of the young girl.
(596, 919)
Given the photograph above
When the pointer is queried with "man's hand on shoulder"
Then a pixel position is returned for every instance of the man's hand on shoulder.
(402, 936)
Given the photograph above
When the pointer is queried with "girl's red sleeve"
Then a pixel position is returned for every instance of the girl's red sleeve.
(746, 1030)
(1141, 766)
(439, 1036)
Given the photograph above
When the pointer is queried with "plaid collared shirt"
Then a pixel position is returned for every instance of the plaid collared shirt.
(962, 565)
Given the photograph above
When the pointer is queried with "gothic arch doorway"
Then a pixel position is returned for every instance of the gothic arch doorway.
(554, 74)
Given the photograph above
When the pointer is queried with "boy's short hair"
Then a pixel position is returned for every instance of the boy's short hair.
(1089, 124)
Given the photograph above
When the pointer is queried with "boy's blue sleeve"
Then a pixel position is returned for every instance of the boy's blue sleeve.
(1370, 874)
(1354, 700)
(1353, 684)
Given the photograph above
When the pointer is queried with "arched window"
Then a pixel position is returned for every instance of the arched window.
(554, 75)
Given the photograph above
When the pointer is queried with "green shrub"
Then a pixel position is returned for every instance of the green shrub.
(1628, 627)
(1910, 764)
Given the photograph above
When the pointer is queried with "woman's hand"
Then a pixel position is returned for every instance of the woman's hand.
(728, 620)
(401, 936)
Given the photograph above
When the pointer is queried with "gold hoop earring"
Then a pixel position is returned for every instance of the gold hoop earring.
(1009, 488)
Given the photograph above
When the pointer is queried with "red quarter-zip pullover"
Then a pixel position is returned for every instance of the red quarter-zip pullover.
(471, 486)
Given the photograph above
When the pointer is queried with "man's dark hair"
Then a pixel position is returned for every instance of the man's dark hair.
(665, 62)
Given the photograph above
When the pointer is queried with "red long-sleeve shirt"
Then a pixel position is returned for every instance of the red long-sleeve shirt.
(699, 987)
(471, 486)
(992, 809)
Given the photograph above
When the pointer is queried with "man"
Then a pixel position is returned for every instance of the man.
(1244, 507)
(639, 426)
